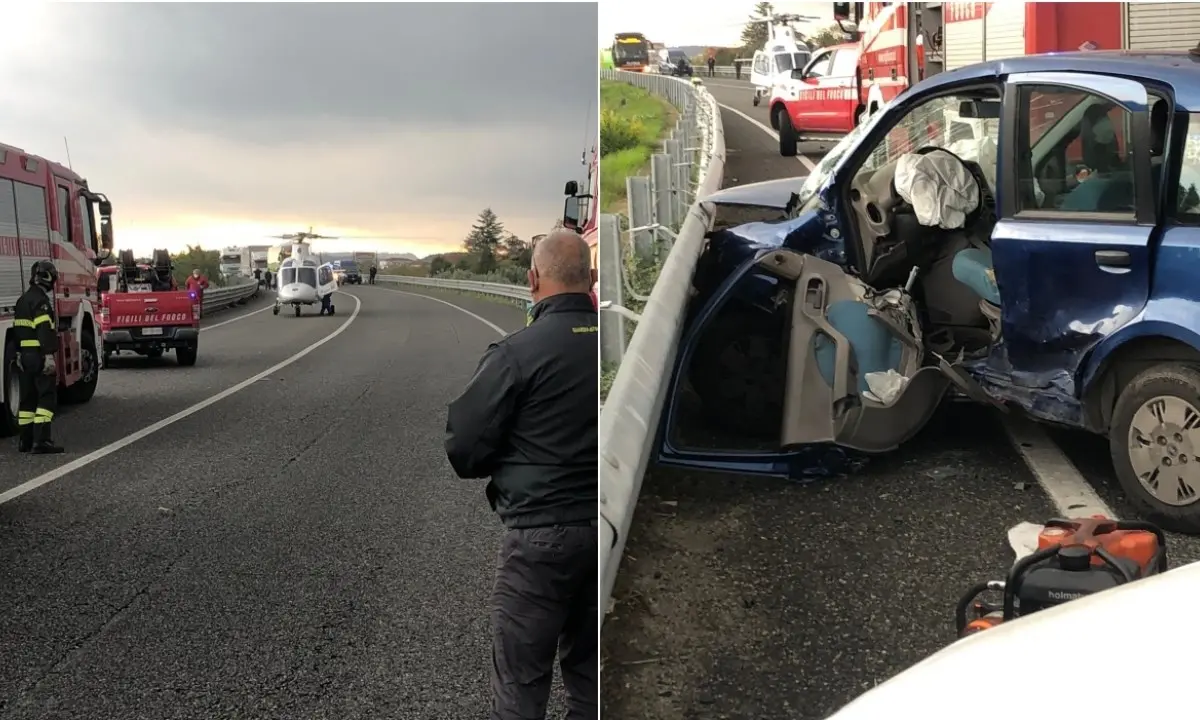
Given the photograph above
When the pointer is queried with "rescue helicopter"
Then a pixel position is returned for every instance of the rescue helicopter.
(784, 51)
(303, 278)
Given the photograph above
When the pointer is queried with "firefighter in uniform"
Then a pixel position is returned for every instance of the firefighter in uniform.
(36, 330)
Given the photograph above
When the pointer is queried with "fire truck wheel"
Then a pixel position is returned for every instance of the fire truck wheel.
(756, 99)
(275, 310)
(10, 392)
(105, 360)
(186, 356)
(89, 360)
(788, 139)
(297, 308)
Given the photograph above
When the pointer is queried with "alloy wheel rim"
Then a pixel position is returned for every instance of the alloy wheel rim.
(1163, 444)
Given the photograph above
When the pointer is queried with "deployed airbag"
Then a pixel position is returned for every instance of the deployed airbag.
(941, 190)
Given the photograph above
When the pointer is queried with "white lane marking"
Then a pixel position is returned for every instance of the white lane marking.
(732, 84)
(1058, 476)
(63, 470)
(489, 323)
(236, 319)
(770, 133)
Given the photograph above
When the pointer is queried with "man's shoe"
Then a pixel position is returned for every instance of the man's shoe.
(46, 447)
(25, 444)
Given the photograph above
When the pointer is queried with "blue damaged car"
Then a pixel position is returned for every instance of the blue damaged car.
(1024, 233)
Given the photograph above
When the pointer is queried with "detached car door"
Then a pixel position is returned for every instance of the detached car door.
(1071, 253)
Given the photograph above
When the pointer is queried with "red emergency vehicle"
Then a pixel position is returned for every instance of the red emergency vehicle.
(900, 43)
(142, 310)
(47, 212)
(821, 101)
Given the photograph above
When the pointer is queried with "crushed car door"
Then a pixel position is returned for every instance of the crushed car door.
(789, 352)
(1070, 255)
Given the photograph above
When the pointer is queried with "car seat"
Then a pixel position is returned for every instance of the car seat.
(873, 346)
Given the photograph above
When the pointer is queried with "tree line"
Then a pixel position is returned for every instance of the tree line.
(489, 250)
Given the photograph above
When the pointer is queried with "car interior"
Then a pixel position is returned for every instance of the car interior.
(882, 348)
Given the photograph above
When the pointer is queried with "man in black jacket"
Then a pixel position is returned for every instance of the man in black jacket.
(527, 420)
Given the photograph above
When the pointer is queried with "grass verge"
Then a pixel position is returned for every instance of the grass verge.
(632, 125)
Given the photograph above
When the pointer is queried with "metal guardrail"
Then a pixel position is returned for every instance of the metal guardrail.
(630, 414)
(719, 71)
(220, 298)
(513, 292)
(657, 207)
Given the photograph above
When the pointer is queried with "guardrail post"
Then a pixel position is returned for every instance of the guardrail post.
(637, 192)
(661, 181)
(679, 191)
(612, 325)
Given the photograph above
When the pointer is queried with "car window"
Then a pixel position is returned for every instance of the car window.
(939, 123)
(845, 62)
(1073, 152)
(820, 68)
(1187, 204)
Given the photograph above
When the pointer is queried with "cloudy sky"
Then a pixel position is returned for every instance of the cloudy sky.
(678, 22)
(222, 123)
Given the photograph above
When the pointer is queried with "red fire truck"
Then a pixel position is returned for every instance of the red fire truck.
(901, 43)
(47, 212)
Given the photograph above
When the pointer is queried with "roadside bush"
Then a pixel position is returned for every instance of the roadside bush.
(618, 133)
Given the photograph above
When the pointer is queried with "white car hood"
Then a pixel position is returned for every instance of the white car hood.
(1120, 653)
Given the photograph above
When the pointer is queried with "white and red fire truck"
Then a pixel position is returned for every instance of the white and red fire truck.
(900, 43)
(47, 212)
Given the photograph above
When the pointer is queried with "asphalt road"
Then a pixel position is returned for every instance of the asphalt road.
(748, 598)
(299, 548)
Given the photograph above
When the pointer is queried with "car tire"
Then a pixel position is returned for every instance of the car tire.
(756, 100)
(1176, 389)
(789, 140)
(186, 356)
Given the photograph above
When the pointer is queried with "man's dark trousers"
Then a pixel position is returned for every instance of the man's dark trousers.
(38, 399)
(546, 597)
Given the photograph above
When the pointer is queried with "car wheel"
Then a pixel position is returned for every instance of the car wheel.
(186, 356)
(756, 99)
(788, 139)
(1154, 439)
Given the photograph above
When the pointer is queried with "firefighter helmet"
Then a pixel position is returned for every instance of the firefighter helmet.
(43, 274)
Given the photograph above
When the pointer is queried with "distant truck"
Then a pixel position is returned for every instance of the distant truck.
(258, 261)
(142, 310)
(235, 262)
(366, 260)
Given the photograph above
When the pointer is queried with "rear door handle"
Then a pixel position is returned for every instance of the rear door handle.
(1112, 258)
